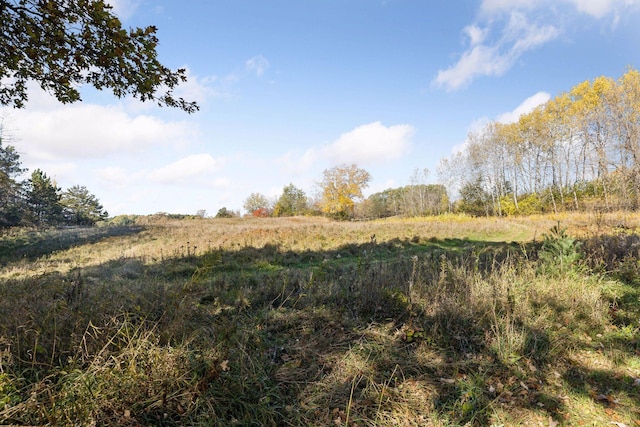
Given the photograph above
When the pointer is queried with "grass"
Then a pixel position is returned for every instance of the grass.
(303, 321)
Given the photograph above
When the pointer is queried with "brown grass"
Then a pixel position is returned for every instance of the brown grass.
(304, 321)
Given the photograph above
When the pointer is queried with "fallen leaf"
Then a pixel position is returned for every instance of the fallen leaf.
(127, 413)
(447, 380)
(552, 422)
(224, 365)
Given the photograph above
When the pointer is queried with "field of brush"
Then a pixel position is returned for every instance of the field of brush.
(441, 321)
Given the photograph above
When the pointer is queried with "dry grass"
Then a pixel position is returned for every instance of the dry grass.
(305, 321)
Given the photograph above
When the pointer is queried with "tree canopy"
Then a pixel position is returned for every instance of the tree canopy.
(43, 198)
(341, 187)
(257, 202)
(580, 149)
(10, 187)
(64, 44)
(81, 207)
(293, 201)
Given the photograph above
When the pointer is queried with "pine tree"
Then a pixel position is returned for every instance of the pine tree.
(43, 199)
(11, 197)
(81, 207)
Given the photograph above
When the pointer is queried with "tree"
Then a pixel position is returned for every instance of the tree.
(224, 213)
(82, 207)
(293, 201)
(10, 188)
(43, 199)
(341, 187)
(65, 44)
(475, 200)
(257, 202)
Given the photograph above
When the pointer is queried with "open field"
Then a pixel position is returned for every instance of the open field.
(440, 321)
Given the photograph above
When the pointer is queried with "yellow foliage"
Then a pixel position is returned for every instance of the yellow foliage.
(341, 187)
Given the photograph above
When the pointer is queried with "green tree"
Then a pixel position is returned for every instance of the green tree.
(224, 213)
(341, 188)
(81, 207)
(11, 200)
(43, 199)
(65, 44)
(257, 202)
(293, 201)
(475, 200)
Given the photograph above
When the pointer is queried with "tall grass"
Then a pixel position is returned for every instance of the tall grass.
(309, 322)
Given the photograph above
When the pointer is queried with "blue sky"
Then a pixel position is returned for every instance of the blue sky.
(288, 88)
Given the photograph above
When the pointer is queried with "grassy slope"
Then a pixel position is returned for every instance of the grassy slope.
(305, 321)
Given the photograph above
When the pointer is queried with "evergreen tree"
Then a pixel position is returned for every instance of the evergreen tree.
(82, 207)
(43, 199)
(11, 190)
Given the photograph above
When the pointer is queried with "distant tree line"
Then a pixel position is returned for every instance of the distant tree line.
(340, 196)
(38, 201)
(580, 150)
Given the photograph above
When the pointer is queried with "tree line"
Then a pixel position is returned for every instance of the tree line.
(340, 196)
(580, 150)
(38, 201)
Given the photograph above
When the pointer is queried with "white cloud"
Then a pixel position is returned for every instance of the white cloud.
(527, 106)
(197, 169)
(370, 143)
(201, 89)
(595, 8)
(49, 131)
(258, 65)
(506, 29)
(525, 36)
(495, 6)
(114, 176)
(495, 58)
(476, 34)
(124, 9)
(480, 60)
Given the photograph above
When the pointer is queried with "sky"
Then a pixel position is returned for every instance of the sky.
(289, 88)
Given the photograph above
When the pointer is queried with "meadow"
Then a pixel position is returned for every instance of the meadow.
(304, 321)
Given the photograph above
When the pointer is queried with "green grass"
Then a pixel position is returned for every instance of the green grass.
(441, 322)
